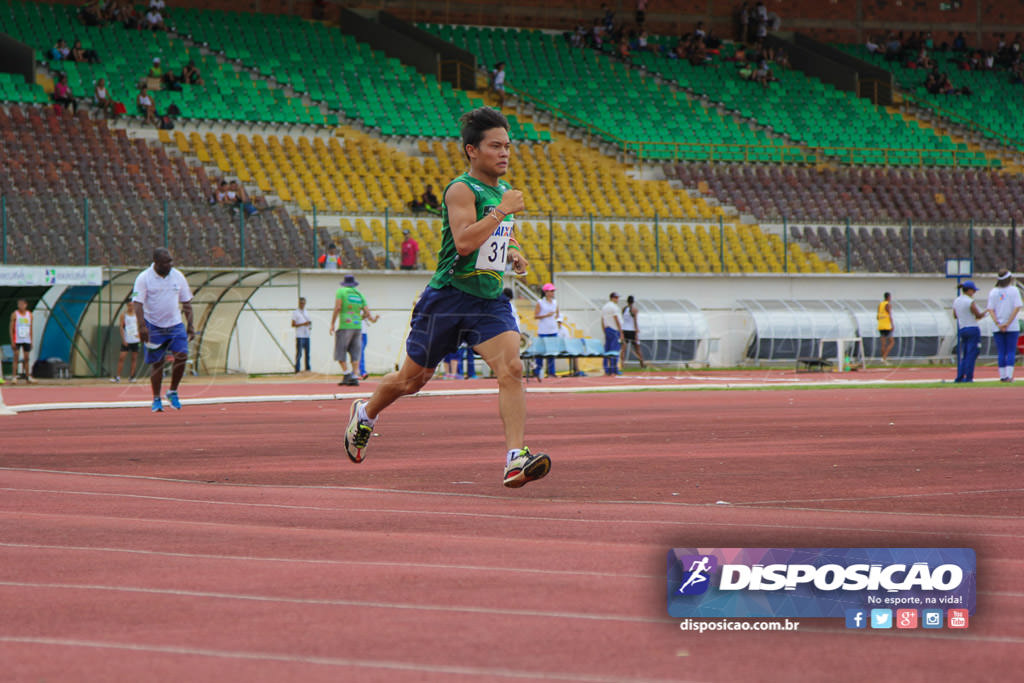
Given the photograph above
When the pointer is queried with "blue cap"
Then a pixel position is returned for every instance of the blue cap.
(969, 284)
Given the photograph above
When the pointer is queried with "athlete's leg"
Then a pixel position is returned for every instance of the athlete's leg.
(501, 353)
(135, 360)
(178, 369)
(408, 380)
(156, 377)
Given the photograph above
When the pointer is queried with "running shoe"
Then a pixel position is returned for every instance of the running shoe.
(526, 467)
(172, 398)
(115, 380)
(158, 406)
(357, 434)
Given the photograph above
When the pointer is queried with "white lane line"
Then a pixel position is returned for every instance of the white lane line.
(475, 672)
(380, 563)
(476, 515)
(492, 391)
(333, 602)
(922, 634)
(327, 562)
(892, 497)
(484, 496)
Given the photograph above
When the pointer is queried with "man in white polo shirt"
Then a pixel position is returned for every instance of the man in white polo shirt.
(611, 321)
(161, 295)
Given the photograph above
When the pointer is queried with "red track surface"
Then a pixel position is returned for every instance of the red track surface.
(236, 542)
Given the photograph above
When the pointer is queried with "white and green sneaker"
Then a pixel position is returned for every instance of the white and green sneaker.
(357, 434)
(526, 467)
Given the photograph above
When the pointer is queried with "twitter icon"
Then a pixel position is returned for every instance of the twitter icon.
(881, 618)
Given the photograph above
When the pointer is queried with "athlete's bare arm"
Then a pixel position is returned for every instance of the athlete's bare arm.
(468, 232)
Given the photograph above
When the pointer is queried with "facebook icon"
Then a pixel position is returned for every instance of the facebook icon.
(856, 618)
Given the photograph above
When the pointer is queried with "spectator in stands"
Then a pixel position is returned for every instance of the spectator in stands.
(763, 72)
(101, 98)
(145, 105)
(170, 81)
(331, 260)
(960, 43)
(607, 17)
(220, 194)
(190, 74)
(62, 94)
(498, 82)
(743, 23)
(410, 251)
(91, 13)
(154, 20)
(239, 199)
(60, 51)
(893, 48)
(81, 55)
(885, 327)
(624, 53)
(158, 5)
(923, 61)
(155, 70)
(641, 12)
(1004, 304)
(967, 315)
(124, 12)
(611, 321)
(871, 46)
(427, 202)
(1017, 71)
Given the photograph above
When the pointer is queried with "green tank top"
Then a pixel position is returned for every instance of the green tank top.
(351, 315)
(480, 273)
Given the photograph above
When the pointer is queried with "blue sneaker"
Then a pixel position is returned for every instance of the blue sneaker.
(172, 398)
(158, 407)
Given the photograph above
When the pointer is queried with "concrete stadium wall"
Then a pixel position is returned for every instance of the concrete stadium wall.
(730, 327)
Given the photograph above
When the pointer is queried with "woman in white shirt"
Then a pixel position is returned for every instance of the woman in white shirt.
(546, 313)
(630, 332)
(1004, 304)
(967, 316)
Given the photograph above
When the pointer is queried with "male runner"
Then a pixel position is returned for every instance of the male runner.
(464, 300)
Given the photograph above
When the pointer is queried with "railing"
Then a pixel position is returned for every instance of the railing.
(82, 232)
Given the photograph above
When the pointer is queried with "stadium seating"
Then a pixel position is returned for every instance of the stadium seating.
(818, 115)
(991, 107)
(126, 57)
(771, 192)
(331, 67)
(69, 182)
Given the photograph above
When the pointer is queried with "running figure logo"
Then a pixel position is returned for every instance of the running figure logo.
(696, 578)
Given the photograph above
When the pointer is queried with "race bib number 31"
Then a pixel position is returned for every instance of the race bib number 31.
(493, 253)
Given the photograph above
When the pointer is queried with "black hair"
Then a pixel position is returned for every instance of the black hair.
(886, 295)
(477, 122)
(630, 299)
(160, 251)
(507, 292)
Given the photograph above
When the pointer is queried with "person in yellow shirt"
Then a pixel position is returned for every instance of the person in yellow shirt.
(885, 326)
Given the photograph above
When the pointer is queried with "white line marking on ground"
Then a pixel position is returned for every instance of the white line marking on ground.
(476, 672)
(491, 391)
(898, 496)
(321, 561)
(483, 515)
(333, 602)
(486, 496)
